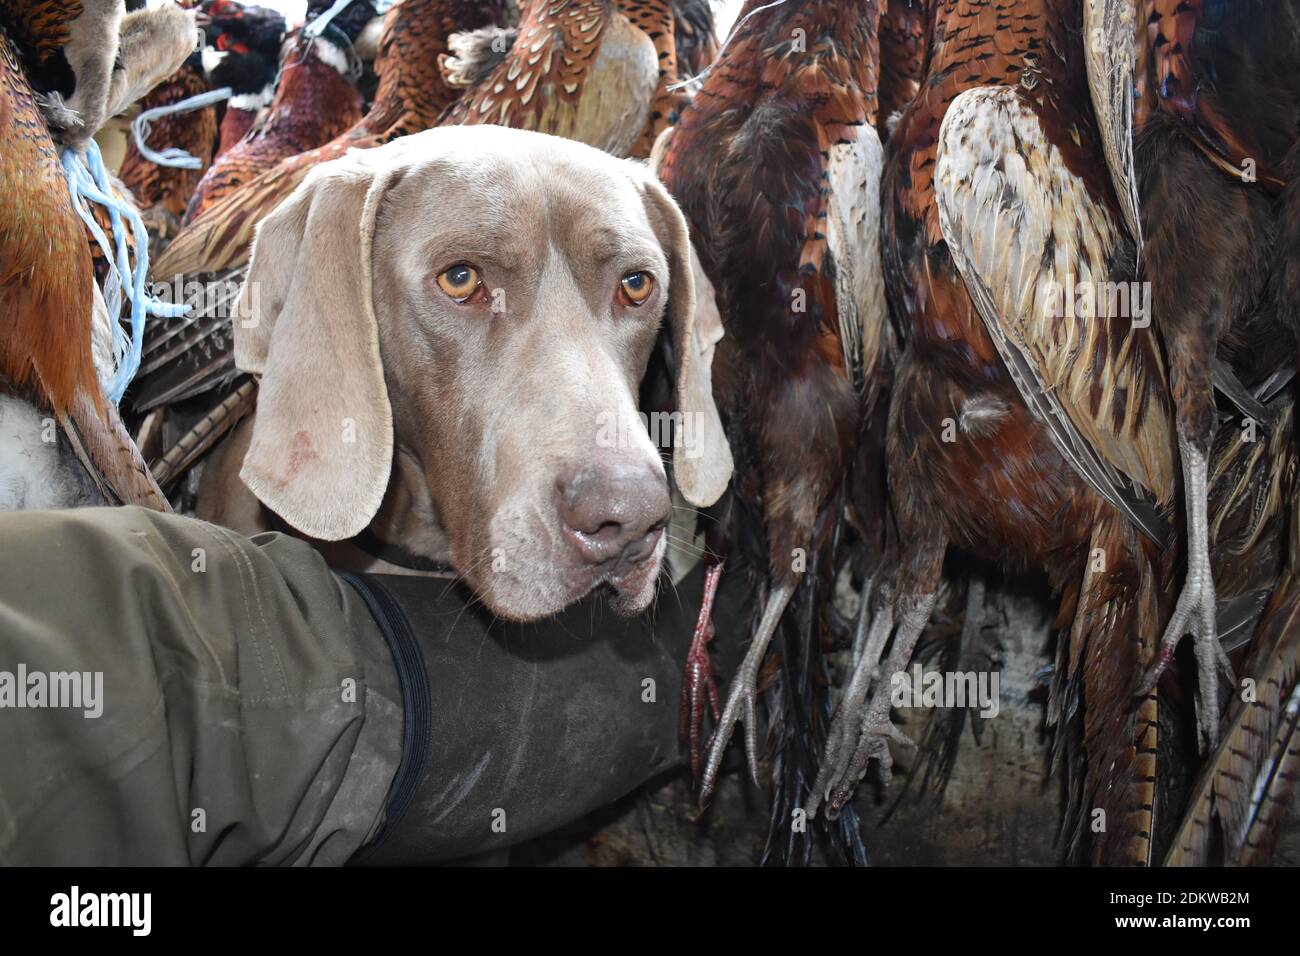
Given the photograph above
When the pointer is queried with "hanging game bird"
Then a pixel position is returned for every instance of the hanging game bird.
(246, 43)
(592, 70)
(776, 165)
(411, 96)
(1020, 430)
(244, 54)
(50, 305)
(315, 101)
(1209, 156)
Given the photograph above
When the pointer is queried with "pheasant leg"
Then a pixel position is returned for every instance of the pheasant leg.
(1195, 612)
(862, 633)
(699, 689)
(852, 707)
(876, 730)
(743, 693)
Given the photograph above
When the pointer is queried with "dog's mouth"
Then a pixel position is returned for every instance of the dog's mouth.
(631, 582)
(532, 568)
(628, 582)
(628, 592)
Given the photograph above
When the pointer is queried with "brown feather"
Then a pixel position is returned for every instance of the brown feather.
(902, 56)
(656, 18)
(205, 433)
(313, 104)
(195, 132)
(45, 262)
(110, 456)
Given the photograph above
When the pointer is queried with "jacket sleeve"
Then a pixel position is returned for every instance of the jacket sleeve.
(174, 693)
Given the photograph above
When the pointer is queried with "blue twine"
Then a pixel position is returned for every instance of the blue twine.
(173, 156)
(88, 180)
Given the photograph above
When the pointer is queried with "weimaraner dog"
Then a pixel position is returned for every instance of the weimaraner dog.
(450, 331)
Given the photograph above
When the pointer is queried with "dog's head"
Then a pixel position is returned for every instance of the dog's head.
(451, 331)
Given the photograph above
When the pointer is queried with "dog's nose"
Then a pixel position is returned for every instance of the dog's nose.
(614, 514)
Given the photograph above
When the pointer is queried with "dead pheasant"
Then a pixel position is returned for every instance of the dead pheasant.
(243, 38)
(48, 299)
(776, 165)
(1207, 165)
(583, 69)
(411, 96)
(997, 209)
(315, 101)
(243, 54)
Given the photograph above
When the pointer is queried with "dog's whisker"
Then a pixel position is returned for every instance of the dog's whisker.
(691, 548)
(462, 575)
(688, 509)
(690, 543)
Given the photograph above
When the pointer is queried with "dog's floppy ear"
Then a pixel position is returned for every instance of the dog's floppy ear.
(702, 462)
(322, 443)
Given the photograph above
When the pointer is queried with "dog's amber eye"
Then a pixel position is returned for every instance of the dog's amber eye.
(637, 287)
(460, 282)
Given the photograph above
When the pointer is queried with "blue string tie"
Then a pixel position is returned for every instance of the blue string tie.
(88, 181)
(173, 156)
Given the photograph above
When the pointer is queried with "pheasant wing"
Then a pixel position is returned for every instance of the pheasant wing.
(1111, 52)
(578, 70)
(853, 240)
(222, 236)
(1026, 233)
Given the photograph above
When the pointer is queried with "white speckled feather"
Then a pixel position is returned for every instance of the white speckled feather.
(853, 238)
(1020, 227)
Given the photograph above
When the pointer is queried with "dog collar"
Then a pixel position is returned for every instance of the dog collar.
(371, 544)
